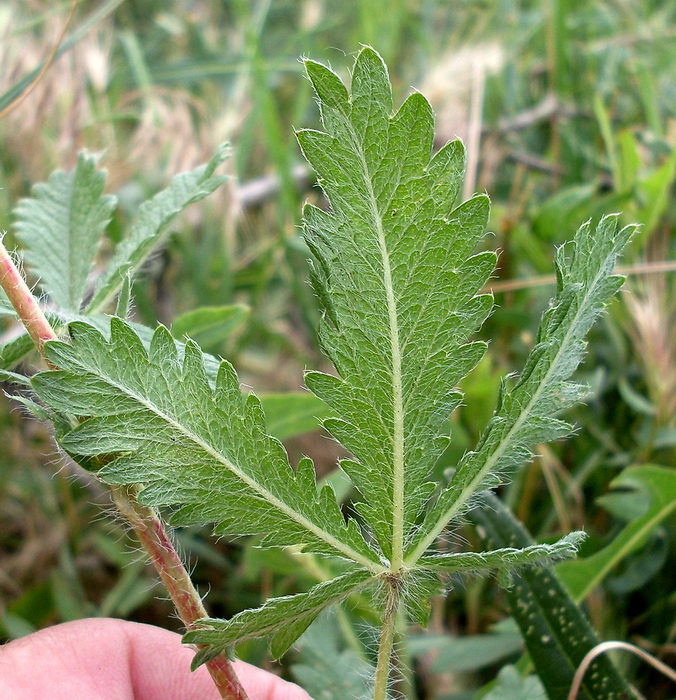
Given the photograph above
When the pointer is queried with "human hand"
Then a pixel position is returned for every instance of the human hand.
(107, 659)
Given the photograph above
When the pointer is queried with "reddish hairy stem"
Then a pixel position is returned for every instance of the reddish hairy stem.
(153, 536)
(148, 527)
(23, 301)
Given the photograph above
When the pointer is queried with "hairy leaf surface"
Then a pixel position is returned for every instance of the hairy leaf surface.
(285, 619)
(152, 225)
(565, 548)
(400, 286)
(527, 409)
(61, 227)
(395, 270)
(201, 449)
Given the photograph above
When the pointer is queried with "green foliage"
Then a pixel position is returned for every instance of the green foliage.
(527, 408)
(395, 269)
(152, 226)
(556, 633)
(511, 686)
(401, 293)
(166, 421)
(575, 122)
(325, 670)
(61, 228)
(209, 325)
(468, 653)
(650, 497)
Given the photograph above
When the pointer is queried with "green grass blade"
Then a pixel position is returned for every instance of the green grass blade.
(556, 632)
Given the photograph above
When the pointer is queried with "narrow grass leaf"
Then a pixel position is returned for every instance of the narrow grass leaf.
(556, 632)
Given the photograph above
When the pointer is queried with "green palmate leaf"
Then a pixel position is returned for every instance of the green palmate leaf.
(395, 270)
(61, 227)
(152, 225)
(526, 414)
(283, 618)
(198, 448)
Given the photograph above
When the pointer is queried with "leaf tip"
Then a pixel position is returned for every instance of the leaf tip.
(327, 85)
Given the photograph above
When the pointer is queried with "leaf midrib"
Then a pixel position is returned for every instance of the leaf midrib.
(398, 470)
(243, 476)
(503, 445)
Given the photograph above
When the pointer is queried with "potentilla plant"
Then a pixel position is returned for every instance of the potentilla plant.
(394, 268)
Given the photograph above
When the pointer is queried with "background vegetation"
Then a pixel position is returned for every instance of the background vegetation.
(568, 110)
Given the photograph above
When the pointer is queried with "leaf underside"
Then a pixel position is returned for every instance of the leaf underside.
(152, 225)
(394, 269)
(61, 227)
(198, 448)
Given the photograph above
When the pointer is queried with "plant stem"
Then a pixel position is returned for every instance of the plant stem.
(148, 527)
(155, 540)
(387, 635)
(23, 301)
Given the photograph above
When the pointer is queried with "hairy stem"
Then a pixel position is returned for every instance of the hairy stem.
(387, 636)
(25, 304)
(148, 527)
(155, 540)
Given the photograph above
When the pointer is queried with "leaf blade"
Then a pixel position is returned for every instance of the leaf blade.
(507, 557)
(152, 225)
(392, 240)
(61, 226)
(201, 449)
(525, 412)
(286, 618)
(659, 484)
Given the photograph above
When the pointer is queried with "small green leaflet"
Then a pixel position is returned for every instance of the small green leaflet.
(527, 408)
(61, 227)
(201, 449)
(285, 619)
(152, 225)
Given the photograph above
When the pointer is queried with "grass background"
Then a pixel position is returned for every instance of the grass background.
(568, 110)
